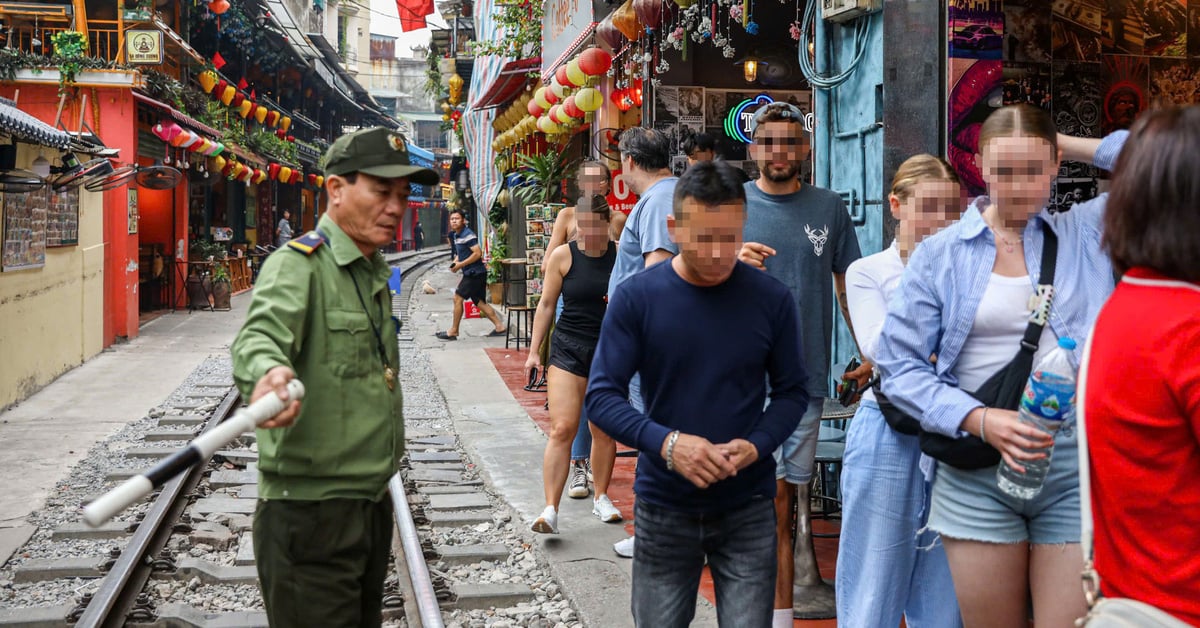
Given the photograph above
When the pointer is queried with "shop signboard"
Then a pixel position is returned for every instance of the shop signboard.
(620, 197)
(144, 47)
(562, 23)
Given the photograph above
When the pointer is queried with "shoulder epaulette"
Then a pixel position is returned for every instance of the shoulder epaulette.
(307, 243)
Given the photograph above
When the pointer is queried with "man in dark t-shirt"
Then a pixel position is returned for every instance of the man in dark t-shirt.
(705, 332)
(468, 258)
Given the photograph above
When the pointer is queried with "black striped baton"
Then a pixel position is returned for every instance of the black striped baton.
(196, 452)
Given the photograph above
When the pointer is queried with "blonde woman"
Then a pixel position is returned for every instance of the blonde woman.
(888, 566)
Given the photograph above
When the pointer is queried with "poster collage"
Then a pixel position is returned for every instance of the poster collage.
(1093, 64)
(539, 225)
(683, 110)
(35, 221)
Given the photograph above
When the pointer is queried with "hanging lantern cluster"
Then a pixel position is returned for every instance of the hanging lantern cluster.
(515, 123)
(243, 105)
(570, 97)
(452, 106)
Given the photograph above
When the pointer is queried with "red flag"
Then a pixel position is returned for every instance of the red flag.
(253, 95)
(413, 12)
(218, 61)
(242, 84)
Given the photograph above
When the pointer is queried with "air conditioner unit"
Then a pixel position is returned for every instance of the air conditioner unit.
(846, 10)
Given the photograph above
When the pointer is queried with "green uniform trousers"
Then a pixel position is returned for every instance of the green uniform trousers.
(323, 563)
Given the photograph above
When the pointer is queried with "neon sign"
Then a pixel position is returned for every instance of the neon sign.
(737, 122)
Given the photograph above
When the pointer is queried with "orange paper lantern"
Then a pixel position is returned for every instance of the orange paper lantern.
(626, 21)
(208, 80)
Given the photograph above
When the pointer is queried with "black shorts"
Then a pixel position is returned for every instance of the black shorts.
(572, 353)
(473, 287)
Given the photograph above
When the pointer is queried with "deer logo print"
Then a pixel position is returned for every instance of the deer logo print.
(818, 238)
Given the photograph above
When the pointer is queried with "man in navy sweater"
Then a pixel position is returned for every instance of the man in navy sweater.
(705, 331)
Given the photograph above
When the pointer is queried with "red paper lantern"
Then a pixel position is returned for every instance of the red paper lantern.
(238, 99)
(595, 61)
(218, 6)
(635, 93)
(272, 118)
(280, 133)
(291, 138)
(219, 88)
(621, 99)
(571, 109)
(652, 13)
(561, 75)
(312, 179)
(550, 96)
(296, 177)
(534, 109)
(556, 114)
(273, 171)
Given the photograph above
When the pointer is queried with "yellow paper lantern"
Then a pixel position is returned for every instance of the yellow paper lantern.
(208, 80)
(589, 99)
(228, 94)
(320, 180)
(559, 90)
(260, 113)
(285, 122)
(246, 109)
(576, 75)
(539, 97)
(285, 173)
(259, 176)
(218, 163)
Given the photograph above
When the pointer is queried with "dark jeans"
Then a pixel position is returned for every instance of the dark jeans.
(322, 563)
(668, 559)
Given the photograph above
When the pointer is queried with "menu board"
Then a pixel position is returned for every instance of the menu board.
(24, 230)
(62, 218)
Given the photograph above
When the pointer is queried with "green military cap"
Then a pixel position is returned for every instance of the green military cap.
(379, 152)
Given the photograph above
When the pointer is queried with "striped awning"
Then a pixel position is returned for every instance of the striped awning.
(27, 128)
(509, 83)
(477, 123)
(575, 46)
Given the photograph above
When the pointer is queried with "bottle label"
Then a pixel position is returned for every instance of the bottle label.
(1049, 396)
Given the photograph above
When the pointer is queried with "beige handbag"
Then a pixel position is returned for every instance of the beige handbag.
(1110, 612)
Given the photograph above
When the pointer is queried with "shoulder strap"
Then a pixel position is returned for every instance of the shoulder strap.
(308, 243)
(1045, 291)
(1091, 579)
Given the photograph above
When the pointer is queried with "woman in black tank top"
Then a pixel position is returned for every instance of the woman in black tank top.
(580, 272)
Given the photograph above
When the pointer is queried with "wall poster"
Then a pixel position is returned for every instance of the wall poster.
(62, 217)
(24, 231)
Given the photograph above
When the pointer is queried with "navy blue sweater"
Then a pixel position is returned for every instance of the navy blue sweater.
(705, 355)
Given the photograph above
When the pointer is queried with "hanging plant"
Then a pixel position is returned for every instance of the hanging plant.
(69, 46)
(519, 32)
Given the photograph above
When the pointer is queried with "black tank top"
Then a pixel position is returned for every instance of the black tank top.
(585, 292)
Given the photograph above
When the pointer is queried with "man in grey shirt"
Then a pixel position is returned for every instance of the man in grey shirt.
(803, 236)
(283, 231)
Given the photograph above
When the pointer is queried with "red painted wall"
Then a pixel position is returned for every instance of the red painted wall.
(111, 113)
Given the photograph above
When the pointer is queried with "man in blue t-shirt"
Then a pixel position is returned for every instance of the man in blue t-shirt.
(706, 333)
(468, 258)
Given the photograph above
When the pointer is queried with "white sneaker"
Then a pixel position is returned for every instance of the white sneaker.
(548, 522)
(624, 549)
(603, 508)
(578, 488)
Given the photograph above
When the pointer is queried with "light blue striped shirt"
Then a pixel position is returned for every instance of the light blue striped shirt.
(934, 308)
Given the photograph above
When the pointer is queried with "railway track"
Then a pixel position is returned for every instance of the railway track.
(196, 531)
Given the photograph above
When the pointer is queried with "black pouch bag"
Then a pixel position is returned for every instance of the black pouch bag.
(1002, 390)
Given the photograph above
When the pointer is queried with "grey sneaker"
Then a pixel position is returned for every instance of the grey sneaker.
(624, 549)
(579, 482)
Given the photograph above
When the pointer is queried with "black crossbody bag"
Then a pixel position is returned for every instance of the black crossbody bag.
(1002, 390)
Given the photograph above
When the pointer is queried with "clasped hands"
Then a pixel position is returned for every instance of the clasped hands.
(704, 463)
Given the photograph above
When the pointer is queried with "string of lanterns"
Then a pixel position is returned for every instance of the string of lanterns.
(568, 100)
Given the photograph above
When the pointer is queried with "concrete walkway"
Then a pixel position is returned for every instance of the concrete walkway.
(42, 437)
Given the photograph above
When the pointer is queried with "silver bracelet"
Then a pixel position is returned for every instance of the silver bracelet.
(982, 426)
(671, 450)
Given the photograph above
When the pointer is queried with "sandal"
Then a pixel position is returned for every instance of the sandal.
(441, 335)
(498, 333)
(533, 379)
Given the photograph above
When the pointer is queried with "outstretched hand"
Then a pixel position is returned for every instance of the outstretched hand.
(276, 381)
(755, 254)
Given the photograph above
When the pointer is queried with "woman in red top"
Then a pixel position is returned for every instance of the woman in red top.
(1143, 388)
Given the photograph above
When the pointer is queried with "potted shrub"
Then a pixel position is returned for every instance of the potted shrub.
(222, 289)
(496, 254)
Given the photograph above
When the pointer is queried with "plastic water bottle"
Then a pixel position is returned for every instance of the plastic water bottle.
(1049, 399)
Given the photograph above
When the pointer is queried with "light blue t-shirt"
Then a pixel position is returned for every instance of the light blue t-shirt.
(645, 232)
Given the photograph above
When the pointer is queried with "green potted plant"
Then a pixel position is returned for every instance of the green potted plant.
(222, 288)
(495, 268)
(70, 47)
(541, 177)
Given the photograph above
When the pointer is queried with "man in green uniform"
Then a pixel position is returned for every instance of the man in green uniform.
(322, 312)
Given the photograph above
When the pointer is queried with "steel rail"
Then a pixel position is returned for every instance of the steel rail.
(119, 589)
(430, 612)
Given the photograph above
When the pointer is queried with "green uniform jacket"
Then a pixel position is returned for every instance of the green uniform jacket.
(349, 437)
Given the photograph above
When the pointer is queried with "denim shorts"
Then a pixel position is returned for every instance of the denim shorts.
(969, 505)
(794, 458)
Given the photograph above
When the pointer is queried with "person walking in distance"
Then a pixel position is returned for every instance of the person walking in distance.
(468, 258)
(321, 312)
(283, 231)
(803, 236)
(578, 272)
(645, 240)
(418, 236)
(705, 477)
